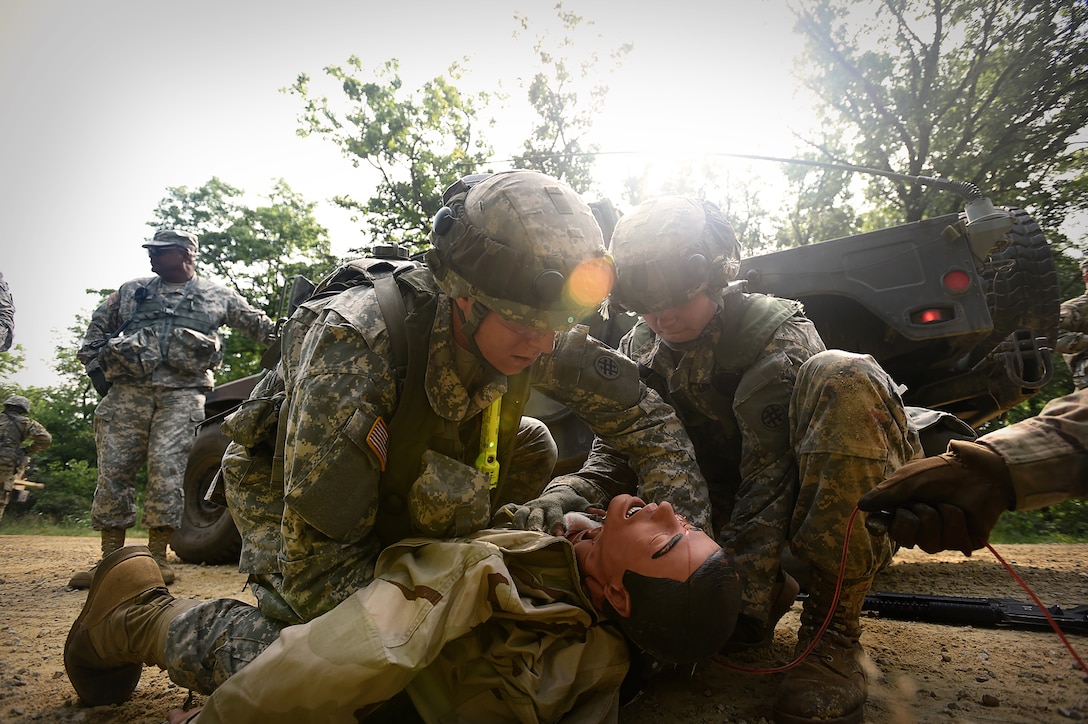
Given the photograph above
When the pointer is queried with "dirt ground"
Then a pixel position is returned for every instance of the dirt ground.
(920, 672)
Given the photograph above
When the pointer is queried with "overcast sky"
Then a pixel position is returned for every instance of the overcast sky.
(105, 104)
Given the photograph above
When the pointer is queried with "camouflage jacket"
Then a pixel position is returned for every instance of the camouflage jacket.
(7, 316)
(1072, 341)
(731, 388)
(504, 633)
(1047, 455)
(171, 338)
(15, 430)
(341, 392)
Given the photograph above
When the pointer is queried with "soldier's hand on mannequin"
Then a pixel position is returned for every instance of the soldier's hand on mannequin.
(544, 514)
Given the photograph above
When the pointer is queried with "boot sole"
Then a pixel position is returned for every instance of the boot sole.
(94, 685)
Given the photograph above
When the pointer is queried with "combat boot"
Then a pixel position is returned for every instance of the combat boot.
(112, 539)
(753, 634)
(122, 626)
(157, 538)
(829, 686)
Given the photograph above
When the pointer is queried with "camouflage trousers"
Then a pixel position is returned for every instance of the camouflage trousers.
(214, 640)
(850, 431)
(138, 424)
(5, 492)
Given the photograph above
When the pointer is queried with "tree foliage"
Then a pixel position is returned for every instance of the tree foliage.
(416, 142)
(566, 113)
(256, 250)
(988, 92)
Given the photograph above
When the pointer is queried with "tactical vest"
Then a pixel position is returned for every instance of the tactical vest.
(749, 321)
(415, 427)
(408, 298)
(153, 310)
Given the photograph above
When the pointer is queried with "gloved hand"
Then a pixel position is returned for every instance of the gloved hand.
(545, 513)
(1071, 343)
(947, 502)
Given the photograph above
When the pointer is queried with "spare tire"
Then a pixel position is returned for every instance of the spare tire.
(1021, 286)
(207, 533)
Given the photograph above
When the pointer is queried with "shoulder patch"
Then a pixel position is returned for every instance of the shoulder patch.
(378, 441)
(773, 416)
(606, 367)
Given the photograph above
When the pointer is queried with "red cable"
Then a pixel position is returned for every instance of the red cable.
(1049, 618)
(835, 603)
(823, 627)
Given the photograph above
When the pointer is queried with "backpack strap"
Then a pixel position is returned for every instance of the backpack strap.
(391, 303)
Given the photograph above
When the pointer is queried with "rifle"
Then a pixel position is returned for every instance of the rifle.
(986, 612)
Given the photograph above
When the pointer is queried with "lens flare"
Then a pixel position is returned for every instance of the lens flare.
(591, 281)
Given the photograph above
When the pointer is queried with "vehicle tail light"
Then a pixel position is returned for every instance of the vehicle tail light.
(956, 280)
(931, 315)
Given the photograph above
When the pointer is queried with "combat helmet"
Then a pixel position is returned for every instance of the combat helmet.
(522, 244)
(18, 402)
(669, 249)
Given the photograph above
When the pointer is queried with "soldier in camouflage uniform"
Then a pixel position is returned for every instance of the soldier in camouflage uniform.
(1072, 341)
(7, 316)
(364, 447)
(787, 434)
(156, 341)
(20, 437)
(952, 501)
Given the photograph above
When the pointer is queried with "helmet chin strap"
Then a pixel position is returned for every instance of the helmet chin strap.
(469, 325)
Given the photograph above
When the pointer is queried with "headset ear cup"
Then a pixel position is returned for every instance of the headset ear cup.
(695, 270)
(443, 221)
(548, 286)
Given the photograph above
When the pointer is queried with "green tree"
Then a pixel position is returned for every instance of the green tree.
(12, 360)
(989, 92)
(416, 142)
(820, 206)
(736, 193)
(566, 113)
(258, 251)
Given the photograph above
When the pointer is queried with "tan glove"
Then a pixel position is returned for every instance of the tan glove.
(947, 502)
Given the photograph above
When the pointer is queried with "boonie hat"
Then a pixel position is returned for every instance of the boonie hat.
(173, 237)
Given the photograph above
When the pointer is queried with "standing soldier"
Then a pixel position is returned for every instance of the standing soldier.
(155, 341)
(7, 316)
(1073, 338)
(15, 430)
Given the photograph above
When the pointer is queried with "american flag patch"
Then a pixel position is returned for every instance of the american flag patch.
(378, 440)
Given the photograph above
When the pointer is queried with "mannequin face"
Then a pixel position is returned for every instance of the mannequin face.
(646, 538)
(683, 323)
(509, 347)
